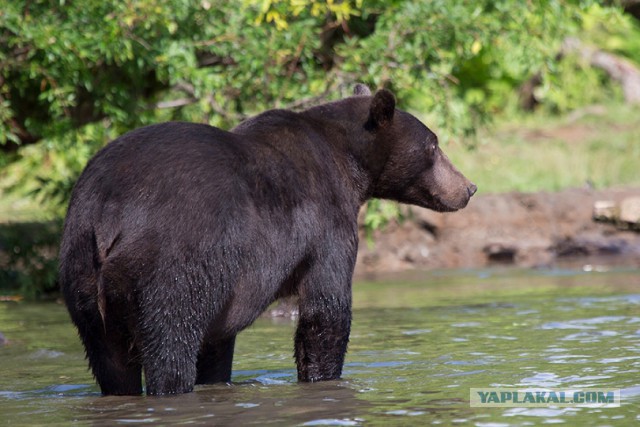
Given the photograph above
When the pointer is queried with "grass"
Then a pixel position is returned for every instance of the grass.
(597, 146)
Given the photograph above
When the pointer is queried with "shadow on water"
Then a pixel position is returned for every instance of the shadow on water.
(419, 343)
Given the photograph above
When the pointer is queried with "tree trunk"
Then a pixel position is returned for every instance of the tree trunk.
(619, 69)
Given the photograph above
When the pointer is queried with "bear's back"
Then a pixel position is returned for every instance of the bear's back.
(174, 178)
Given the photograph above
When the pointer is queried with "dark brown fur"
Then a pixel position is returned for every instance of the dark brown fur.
(179, 235)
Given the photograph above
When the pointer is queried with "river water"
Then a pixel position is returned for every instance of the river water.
(419, 342)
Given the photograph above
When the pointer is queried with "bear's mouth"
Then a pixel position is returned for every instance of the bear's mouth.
(438, 206)
(435, 203)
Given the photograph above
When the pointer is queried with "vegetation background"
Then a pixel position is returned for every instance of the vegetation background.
(482, 73)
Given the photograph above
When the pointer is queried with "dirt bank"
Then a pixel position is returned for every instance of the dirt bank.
(526, 230)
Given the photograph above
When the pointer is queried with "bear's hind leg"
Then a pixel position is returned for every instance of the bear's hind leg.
(169, 358)
(175, 308)
(170, 363)
(113, 359)
(214, 361)
(172, 328)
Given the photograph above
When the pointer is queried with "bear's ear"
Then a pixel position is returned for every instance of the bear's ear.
(383, 106)
(361, 89)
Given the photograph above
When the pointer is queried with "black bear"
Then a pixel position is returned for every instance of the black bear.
(179, 235)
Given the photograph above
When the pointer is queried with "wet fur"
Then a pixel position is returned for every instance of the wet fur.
(179, 235)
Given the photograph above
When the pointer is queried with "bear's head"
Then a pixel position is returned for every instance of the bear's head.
(409, 166)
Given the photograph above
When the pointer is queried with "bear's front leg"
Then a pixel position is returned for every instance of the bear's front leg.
(323, 331)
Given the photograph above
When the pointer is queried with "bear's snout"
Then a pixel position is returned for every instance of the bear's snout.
(471, 189)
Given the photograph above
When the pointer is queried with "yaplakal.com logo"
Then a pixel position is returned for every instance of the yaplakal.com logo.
(513, 397)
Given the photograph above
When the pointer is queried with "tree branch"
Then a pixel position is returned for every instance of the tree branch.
(618, 68)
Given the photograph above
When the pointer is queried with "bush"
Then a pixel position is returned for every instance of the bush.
(216, 62)
(28, 264)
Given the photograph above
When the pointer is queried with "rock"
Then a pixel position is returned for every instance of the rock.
(624, 214)
(605, 210)
(589, 245)
(3, 340)
(500, 253)
(630, 211)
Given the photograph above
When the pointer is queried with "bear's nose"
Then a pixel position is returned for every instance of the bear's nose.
(472, 189)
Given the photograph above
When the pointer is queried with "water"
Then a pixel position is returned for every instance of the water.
(418, 344)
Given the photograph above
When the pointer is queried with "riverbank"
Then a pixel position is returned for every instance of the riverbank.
(526, 230)
(515, 229)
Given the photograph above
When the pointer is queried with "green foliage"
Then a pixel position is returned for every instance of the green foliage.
(561, 92)
(572, 83)
(377, 214)
(64, 158)
(27, 258)
(217, 62)
(447, 56)
(612, 31)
